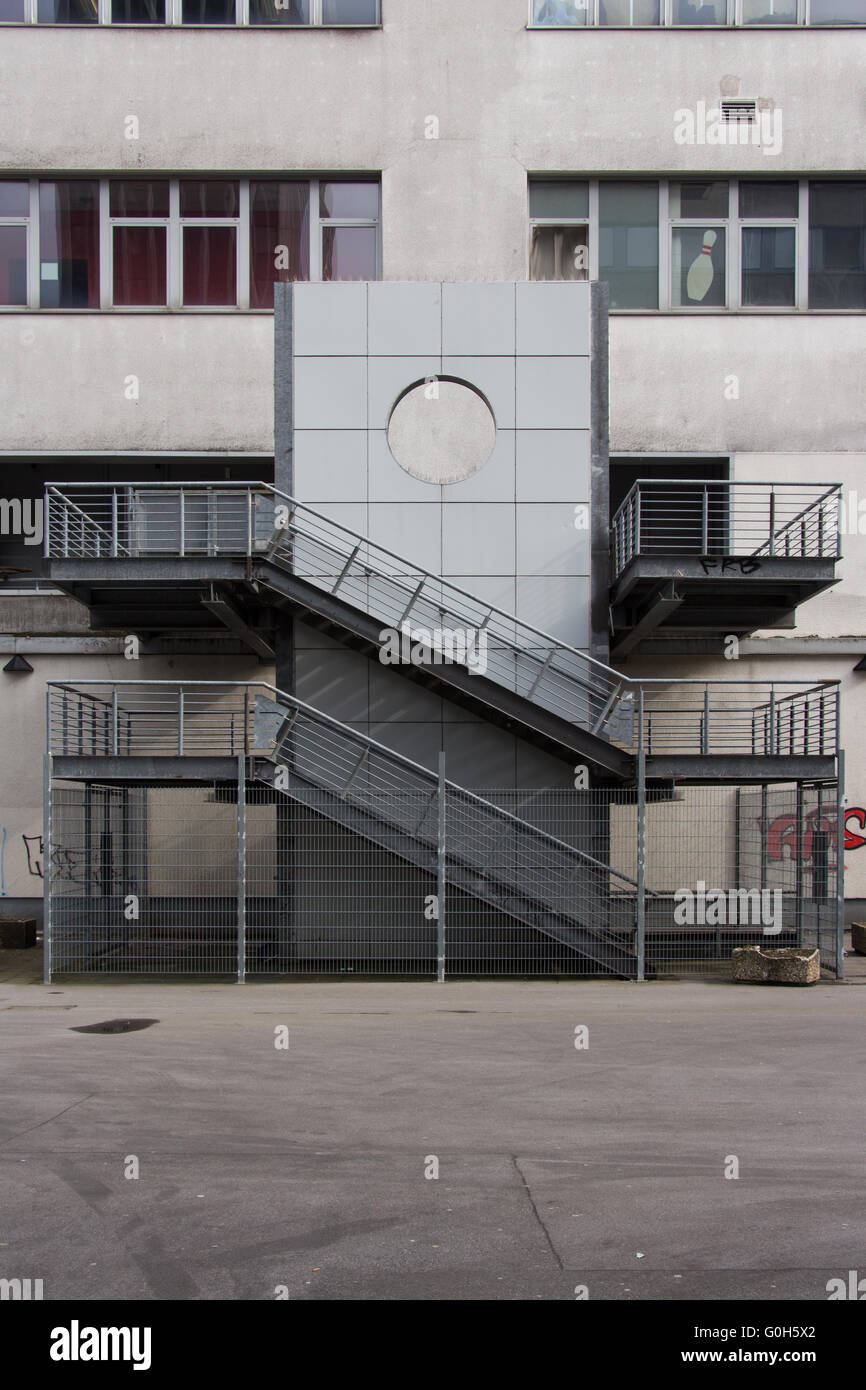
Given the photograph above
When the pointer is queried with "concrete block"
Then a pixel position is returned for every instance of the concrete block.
(792, 965)
(858, 937)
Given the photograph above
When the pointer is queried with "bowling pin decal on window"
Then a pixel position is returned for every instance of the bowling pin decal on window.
(700, 276)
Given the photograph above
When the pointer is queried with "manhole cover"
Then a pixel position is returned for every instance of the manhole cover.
(116, 1025)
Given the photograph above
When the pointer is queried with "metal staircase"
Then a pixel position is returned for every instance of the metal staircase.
(135, 733)
(147, 556)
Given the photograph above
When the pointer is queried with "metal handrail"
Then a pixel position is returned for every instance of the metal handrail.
(317, 716)
(594, 700)
(635, 529)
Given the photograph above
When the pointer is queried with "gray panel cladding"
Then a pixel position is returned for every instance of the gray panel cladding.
(522, 526)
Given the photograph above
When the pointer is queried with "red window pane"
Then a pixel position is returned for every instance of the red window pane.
(138, 198)
(208, 198)
(69, 244)
(350, 200)
(279, 238)
(139, 265)
(210, 265)
(14, 199)
(348, 253)
(13, 265)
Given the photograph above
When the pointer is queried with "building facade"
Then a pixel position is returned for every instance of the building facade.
(164, 165)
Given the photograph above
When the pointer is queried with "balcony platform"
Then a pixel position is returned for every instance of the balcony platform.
(661, 598)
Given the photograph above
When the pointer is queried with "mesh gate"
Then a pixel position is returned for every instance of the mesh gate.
(222, 880)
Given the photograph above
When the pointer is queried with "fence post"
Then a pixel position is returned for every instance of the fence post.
(840, 865)
(798, 860)
(46, 868)
(440, 874)
(242, 869)
(641, 844)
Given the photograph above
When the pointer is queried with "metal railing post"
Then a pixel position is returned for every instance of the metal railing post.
(840, 865)
(242, 869)
(772, 718)
(440, 873)
(46, 524)
(640, 943)
(114, 523)
(249, 521)
(47, 768)
(705, 732)
(180, 723)
(637, 521)
(772, 521)
(798, 861)
(182, 521)
(114, 747)
(705, 521)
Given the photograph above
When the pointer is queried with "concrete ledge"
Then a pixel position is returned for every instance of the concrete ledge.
(793, 965)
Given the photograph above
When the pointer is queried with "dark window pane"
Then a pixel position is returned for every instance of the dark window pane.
(208, 11)
(210, 265)
(837, 246)
(628, 245)
(698, 267)
(768, 199)
(279, 238)
(14, 199)
(67, 12)
(838, 12)
(349, 253)
(350, 12)
(768, 265)
(629, 12)
(558, 198)
(279, 11)
(139, 265)
(138, 198)
(699, 199)
(13, 265)
(769, 11)
(559, 253)
(69, 244)
(12, 10)
(700, 11)
(559, 12)
(208, 198)
(138, 11)
(349, 200)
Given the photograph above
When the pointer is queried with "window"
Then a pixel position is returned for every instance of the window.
(560, 230)
(768, 231)
(180, 243)
(626, 14)
(701, 244)
(69, 244)
(837, 245)
(628, 243)
(14, 218)
(192, 13)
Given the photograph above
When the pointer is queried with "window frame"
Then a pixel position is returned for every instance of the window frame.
(174, 19)
(733, 20)
(175, 225)
(733, 225)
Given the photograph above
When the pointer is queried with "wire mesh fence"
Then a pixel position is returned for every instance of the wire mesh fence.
(245, 879)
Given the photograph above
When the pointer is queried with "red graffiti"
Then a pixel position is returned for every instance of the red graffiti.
(782, 833)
